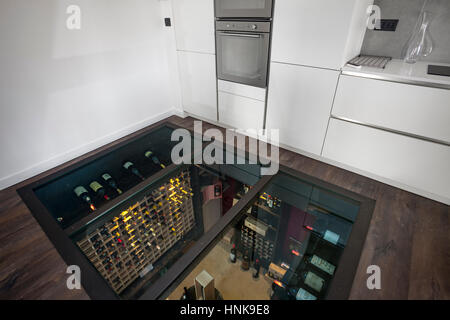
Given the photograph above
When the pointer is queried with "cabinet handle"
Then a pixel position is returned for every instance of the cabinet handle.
(243, 35)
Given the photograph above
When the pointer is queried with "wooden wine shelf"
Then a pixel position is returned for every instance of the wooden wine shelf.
(126, 247)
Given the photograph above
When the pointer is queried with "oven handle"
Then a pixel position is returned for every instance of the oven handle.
(243, 35)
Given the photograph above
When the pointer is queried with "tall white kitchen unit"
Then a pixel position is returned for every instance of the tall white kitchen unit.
(300, 100)
(195, 38)
(311, 42)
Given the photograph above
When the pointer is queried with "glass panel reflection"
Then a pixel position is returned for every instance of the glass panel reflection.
(286, 245)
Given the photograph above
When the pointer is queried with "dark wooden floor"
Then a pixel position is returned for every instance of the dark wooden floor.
(409, 239)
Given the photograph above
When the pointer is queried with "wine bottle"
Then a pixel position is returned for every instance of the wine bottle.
(185, 294)
(110, 181)
(257, 267)
(83, 194)
(130, 167)
(150, 155)
(233, 254)
(277, 202)
(269, 201)
(245, 265)
(99, 190)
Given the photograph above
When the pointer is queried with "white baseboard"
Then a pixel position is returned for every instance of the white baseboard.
(179, 113)
(197, 117)
(57, 160)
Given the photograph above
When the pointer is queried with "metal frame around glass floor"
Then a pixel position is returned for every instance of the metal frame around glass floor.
(97, 287)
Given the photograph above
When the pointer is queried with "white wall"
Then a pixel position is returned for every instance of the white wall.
(63, 93)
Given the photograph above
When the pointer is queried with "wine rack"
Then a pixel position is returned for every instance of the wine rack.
(126, 247)
(256, 244)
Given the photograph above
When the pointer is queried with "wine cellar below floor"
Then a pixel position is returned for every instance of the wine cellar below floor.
(126, 247)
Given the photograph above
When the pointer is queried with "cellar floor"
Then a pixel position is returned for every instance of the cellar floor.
(229, 279)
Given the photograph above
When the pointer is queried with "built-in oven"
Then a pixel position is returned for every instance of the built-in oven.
(243, 51)
(244, 8)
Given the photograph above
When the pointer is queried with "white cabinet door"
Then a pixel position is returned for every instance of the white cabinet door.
(299, 104)
(321, 33)
(413, 109)
(416, 163)
(240, 112)
(243, 90)
(194, 25)
(198, 84)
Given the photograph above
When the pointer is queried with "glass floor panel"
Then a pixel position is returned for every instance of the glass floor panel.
(141, 227)
(286, 245)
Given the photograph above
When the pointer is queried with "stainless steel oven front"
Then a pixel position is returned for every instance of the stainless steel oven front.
(243, 51)
(244, 8)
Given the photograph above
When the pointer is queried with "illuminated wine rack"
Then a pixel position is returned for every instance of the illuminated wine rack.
(126, 247)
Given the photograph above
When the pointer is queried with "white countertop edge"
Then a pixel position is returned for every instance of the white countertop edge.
(399, 71)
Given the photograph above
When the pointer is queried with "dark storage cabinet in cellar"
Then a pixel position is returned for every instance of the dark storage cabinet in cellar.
(294, 236)
(137, 225)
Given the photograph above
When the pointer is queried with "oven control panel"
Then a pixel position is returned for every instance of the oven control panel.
(244, 26)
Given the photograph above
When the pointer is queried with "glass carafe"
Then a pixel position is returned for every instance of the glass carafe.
(420, 43)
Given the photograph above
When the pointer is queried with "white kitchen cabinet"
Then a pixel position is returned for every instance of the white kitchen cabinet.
(412, 162)
(194, 25)
(320, 33)
(198, 84)
(240, 112)
(242, 90)
(418, 110)
(299, 104)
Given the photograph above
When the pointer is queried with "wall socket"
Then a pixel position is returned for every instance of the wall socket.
(387, 25)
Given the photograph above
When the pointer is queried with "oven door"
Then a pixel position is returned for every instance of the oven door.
(243, 57)
(243, 9)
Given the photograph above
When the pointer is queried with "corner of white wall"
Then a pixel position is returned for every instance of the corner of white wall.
(172, 57)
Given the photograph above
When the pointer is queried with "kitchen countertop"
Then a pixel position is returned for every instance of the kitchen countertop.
(398, 71)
